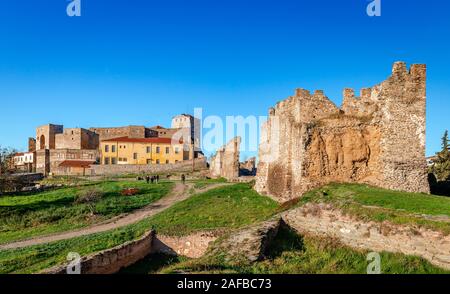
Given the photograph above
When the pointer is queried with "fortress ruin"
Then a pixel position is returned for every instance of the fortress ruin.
(377, 138)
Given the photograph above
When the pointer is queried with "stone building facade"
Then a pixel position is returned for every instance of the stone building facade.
(225, 163)
(377, 138)
(56, 145)
(76, 138)
(127, 131)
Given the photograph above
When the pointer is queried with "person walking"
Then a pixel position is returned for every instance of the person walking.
(147, 178)
(183, 178)
(153, 179)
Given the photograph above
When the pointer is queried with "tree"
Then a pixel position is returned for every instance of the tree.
(6, 155)
(441, 166)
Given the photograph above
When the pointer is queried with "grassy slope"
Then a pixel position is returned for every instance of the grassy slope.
(55, 211)
(226, 207)
(294, 254)
(236, 206)
(201, 184)
(370, 203)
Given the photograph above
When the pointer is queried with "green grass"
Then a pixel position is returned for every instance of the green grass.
(376, 204)
(235, 206)
(294, 254)
(54, 211)
(225, 207)
(201, 184)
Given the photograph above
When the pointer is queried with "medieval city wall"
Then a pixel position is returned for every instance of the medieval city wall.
(377, 138)
(128, 131)
(112, 260)
(225, 163)
(121, 169)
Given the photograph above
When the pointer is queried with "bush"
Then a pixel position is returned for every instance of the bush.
(11, 184)
(89, 198)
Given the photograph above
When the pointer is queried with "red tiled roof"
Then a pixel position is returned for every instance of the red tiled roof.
(142, 140)
(76, 163)
(19, 154)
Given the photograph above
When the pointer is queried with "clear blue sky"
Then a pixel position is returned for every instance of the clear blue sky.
(142, 61)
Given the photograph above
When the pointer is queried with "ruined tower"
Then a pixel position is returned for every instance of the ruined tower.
(377, 138)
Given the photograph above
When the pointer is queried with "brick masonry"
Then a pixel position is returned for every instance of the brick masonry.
(225, 163)
(323, 220)
(377, 138)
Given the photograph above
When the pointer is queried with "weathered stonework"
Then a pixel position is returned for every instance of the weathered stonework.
(128, 131)
(225, 163)
(377, 138)
(77, 138)
(248, 167)
(325, 221)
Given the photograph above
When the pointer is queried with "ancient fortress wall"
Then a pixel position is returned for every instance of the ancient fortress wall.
(377, 138)
(225, 163)
(112, 260)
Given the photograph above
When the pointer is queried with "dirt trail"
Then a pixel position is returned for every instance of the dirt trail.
(179, 193)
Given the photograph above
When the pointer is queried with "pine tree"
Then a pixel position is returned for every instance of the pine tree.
(441, 166)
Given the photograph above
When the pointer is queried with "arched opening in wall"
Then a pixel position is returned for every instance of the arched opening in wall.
(42, 142)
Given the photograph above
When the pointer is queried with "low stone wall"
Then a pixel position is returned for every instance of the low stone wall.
(324, 220)
(192, 246)
(112, 260)
(118, 169)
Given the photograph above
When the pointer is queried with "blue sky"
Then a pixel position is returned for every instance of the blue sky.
(142, 61)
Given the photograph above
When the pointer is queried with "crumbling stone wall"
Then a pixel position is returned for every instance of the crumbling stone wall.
(112, 260)
(325, 221)
(248, 167)
(128, 131)
(377, 138)
(77, 138)
(225, 163)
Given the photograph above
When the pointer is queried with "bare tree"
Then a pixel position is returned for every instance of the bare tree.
(6, 154)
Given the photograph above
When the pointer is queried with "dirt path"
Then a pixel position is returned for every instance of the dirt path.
(179, 193)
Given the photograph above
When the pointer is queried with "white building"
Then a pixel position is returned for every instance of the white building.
(24, 161)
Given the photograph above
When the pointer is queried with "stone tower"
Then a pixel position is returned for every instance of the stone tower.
(377, 138)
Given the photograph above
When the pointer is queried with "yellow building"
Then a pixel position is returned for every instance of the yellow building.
(143, 151)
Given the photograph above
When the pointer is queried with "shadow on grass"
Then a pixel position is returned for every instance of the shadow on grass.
(150, 264)
(285, 240)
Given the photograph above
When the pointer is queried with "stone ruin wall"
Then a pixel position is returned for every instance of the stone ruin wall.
(377, 138)
(128, 131)
(225, 163)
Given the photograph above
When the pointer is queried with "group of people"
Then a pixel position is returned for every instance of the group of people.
(153, 179)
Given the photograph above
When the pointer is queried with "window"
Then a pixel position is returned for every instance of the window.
(113, 160)
(113, 148)
(106, 148)
(157, 161)
(106, 160)
(167, 161)
(167, 150)
(135, 155)
(149, 161)
(158, 150)
(149, 149)
(177, 150)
